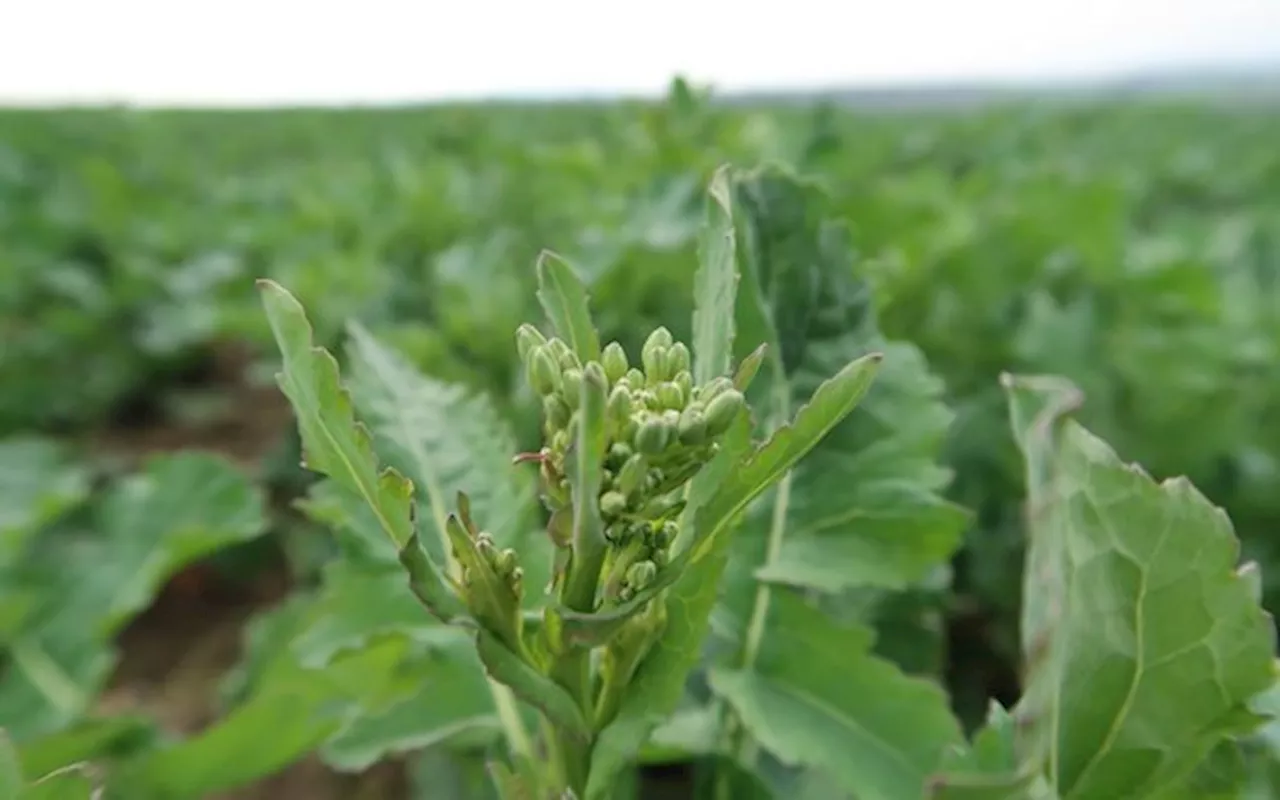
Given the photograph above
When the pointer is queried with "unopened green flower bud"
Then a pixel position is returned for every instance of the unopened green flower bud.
(618, 409)
(684, 380)
(544, 372)
(527, 339)
(612, 503)
(619, 452)
(661, 558)
(563, 353)
(678, 358)
(670, 396)
(654, 436)
(655, 365)
(484, 543)
(560, 441)
(653, 479)
(641, 574)
(654, 355)
(666, 534)
(572, 389)
(634, 378)
(722, 410)
(594, 373)
(713, 389)
(632, 476)
(692, 427)
(505, 563)
(661, 337)
(556, 411)
(614, 359)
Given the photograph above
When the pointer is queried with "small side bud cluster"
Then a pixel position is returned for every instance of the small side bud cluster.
(661, 430)
(640, 549)
(490, 579)
(504, 564)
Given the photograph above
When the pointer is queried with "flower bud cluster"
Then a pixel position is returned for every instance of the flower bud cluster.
(661, 428)
(503, 562)
(641, 548)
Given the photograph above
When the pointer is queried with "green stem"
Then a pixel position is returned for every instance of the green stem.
(733, 735)
(509, 716)
(572, 669)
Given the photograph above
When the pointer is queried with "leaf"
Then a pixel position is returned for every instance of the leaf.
(989, 768)
(452, 703)
(817, 697)
(830, 404)
(10, 769)
(532, 686)
(90, 738)
(835, 316)
(94, 579)
(364, 602)
(429, 586)
(863, 510)
(291, 711)
(564, 299)
(446, 440)
(715, 284)
(1132, 598)
(660, 678)
(334, 443)
(69, 783)
(744, 481)
(38, 482)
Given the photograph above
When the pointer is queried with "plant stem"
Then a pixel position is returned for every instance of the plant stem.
(572, 669)
(732, 733)
(509, 716)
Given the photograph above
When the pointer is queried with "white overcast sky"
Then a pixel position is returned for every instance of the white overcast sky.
(309, 51)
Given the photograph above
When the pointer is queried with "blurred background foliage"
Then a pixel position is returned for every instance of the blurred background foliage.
(1132, 247)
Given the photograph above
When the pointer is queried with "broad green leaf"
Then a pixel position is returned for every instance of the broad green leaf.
(365, 601)
(817, 697)
(334, 443)
(10, 769)
(74, 782)
(660, 678)
(715, 284)
(38, 481)
(989, 769)
(719, 498)
(862, 511)
(446, 772)
(290, 712)
(1144, 646)
(532, 686)
(745, 479)
(90, 738)
(564, 299)
(428, 584)
(101, 571)
(446, 440)
(453, 706)
(830, 404)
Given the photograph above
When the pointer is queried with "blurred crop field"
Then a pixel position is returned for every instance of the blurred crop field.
(153, 545)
